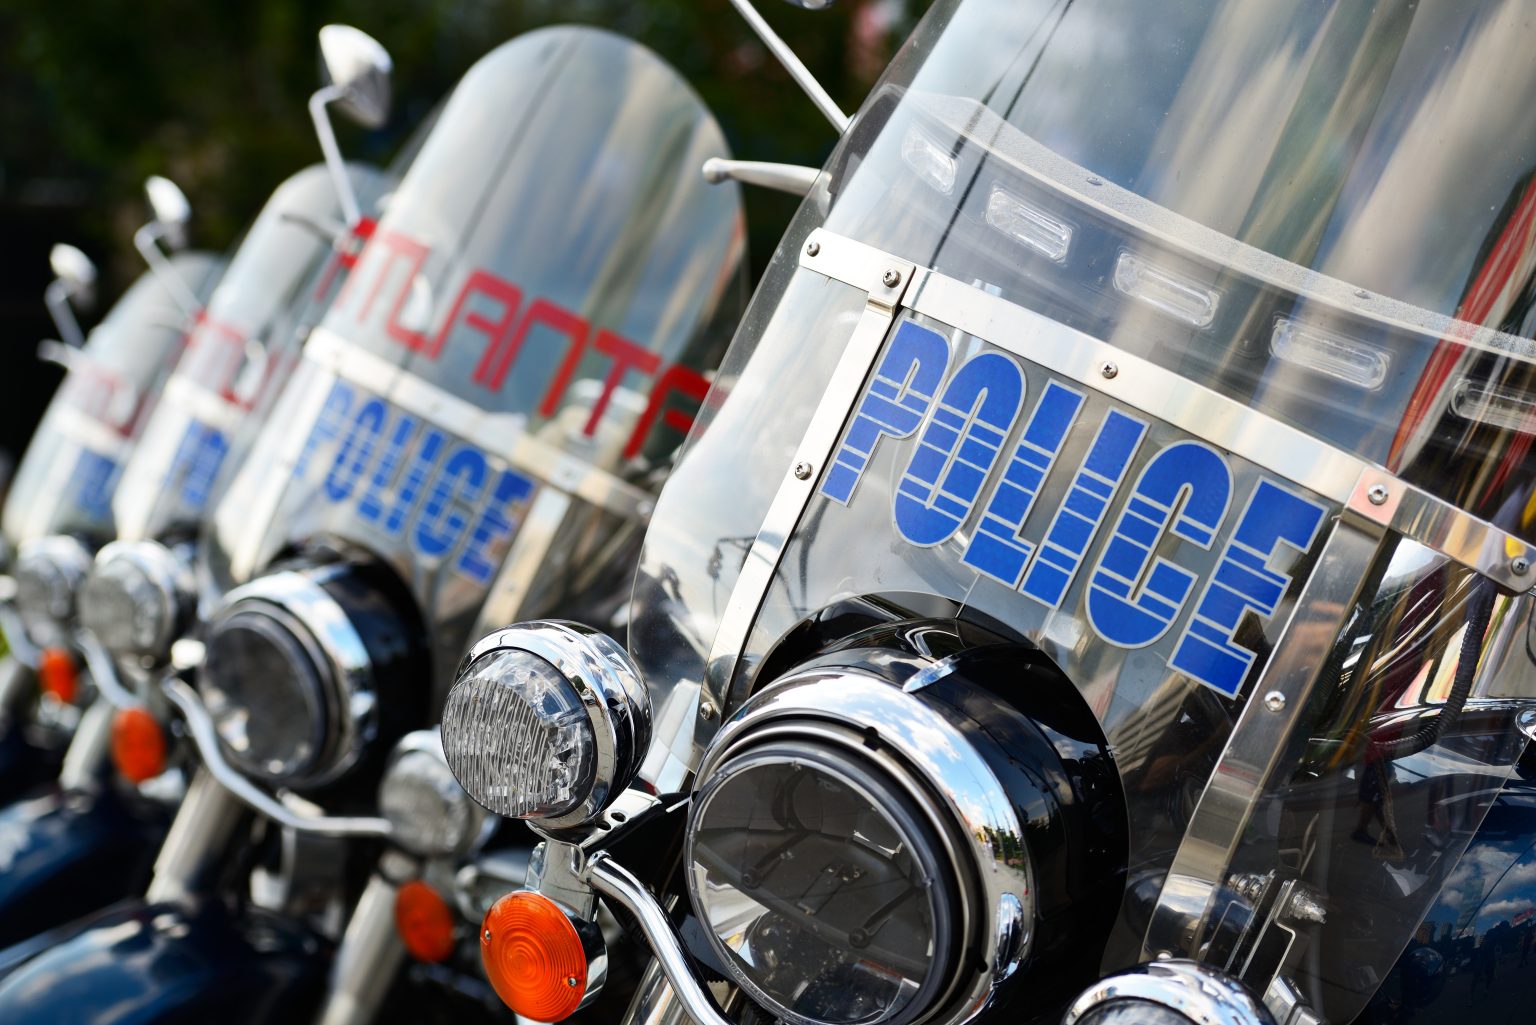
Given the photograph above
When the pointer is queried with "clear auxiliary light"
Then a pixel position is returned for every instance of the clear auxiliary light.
(1178, 295)
(1028, 224)
(1329, 353)
(932, 162)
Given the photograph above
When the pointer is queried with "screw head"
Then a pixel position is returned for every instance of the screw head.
(802, 470)
(486, 936)
(1274, 701)
(1109, 370)
(706, 710)
(1377, 494)
(570, 980)
(892, 278)
(1520, 565)
(812, 248)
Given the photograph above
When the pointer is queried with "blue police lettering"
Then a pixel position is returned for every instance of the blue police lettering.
(1128, 603)
(1066, 540)
(197, 461)
(958, 449)
(413, 481)
(95, 477)
(1133, 596)
(996, 548)
(1244, 581)
(895, 402)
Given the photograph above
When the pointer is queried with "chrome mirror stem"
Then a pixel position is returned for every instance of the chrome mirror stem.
(791, 178)
(322, 98)
(146, 241)
(796, 68)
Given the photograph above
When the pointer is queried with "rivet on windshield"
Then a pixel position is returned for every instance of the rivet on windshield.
(812, 248)
(1519, 565)
(892, 278)
(706, 710)
(802, 470)
(1274, 701)
(1109, 370)
(1095, 180)
(1377, 494)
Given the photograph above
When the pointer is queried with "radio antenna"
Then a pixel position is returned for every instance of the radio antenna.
(796, 68)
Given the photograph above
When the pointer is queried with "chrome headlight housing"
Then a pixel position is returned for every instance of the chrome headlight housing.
(293, 672)
(48, 574)
(869, 833)
(547, 721)
(431, 814)
(138, 598)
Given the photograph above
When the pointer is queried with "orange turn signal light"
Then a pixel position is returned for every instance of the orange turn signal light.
(57, 673)
(424, 922)
(138, 745)
(534, 957)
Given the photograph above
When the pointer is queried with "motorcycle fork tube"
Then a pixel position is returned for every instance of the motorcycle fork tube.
(89, 748)
(366, 962)
(197, 842)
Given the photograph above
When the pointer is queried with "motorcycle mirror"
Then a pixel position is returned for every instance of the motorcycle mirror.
(170, 208)
(74, 278)
(171, 211)
(357, 69)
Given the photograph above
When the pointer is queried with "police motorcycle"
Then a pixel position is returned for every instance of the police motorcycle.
(58, 507)
(1098, 588)
(470, 435)
(91, 839)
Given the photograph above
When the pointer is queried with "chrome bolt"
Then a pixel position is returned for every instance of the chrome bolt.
(1303, 907)
(1274, 701)
(892, 278)
(1109, 370)
(1519, 565)
(706, 710)
(802, 470)
(1377, 494)
(812, 248)
(1165, 955)
(570, 980)
(486, 936)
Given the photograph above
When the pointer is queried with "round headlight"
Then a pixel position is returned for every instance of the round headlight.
(137, 598)
(291, 676)
(431, 814)
(49, 572)
(1168, 993)
(546, 721)
(824, 885)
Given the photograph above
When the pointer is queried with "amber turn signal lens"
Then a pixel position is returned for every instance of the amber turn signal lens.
(57, 673)
(424, 922)
(533, 957)
(138, 745)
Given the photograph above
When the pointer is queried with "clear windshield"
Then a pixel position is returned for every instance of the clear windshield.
(1295, 228)
(523, 338)
(241, 349)
(73, 463)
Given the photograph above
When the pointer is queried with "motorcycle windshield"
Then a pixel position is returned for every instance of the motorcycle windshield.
(74, 462)
(523, 338)
(240, 351)
(1157, 335)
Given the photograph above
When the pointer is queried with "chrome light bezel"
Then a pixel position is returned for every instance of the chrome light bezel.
(1198, 992)
(170, 576)
(295, 603)
(943, 772)
(428, 744)
(67, 560)
(612, 694)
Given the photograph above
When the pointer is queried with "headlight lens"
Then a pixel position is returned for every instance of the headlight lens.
(819, 882)
(136, 598)
(430, 812)
(265, 691)
(49, 572)
(548, 721)
(539, 762)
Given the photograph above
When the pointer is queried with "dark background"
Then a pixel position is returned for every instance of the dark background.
(97, 95)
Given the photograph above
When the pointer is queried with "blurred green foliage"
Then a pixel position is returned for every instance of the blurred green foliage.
(99, 94)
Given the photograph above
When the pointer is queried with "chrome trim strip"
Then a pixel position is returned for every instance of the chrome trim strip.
(616, 883)
(103, 670)
(504, 435)
(867, 269)
(1251, 435)
(1254, 749)
(206, 738)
